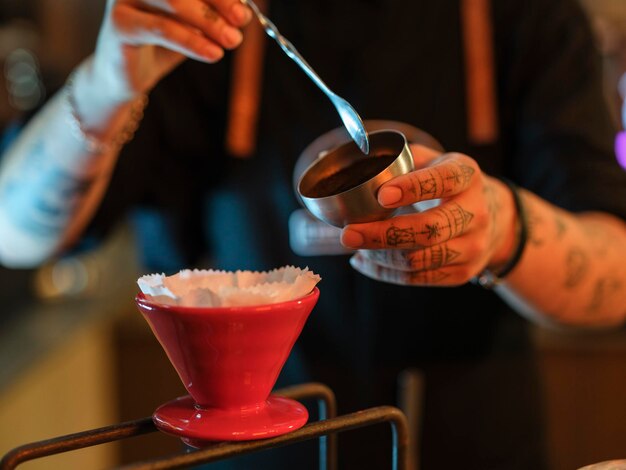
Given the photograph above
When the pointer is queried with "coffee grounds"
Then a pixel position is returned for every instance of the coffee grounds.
(349, 177)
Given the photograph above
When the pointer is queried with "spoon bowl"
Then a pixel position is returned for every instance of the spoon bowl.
(340, 186)
(353, 123)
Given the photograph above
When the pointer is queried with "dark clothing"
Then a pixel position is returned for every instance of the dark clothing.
(401, 60)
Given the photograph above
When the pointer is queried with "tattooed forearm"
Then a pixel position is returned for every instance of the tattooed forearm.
(599, 240)
(494, 207)
(534, 222)
(576, 266)
(603, 290)
(572, 272)
(592, 230)
(561, 227)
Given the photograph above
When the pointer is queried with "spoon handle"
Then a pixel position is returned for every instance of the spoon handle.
(272, 31)
(348, 115)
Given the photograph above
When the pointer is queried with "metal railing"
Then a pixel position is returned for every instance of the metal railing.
(325, 429)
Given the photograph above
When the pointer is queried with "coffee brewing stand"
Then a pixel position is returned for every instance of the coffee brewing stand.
(325, 429)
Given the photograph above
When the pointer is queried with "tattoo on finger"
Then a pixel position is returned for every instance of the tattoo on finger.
(438, 256)
(389, 257)
(431, 258)
(428, 187)
(438, 183)
(457, 218)
(461, 175)
(426, 259)
(394, 276)
(427, 277)
(433, 230)
(396, 236)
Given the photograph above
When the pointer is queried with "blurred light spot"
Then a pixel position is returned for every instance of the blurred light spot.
(23, 80)
(620, 148)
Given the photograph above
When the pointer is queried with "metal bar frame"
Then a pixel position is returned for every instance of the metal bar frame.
(325, 429)
(359, 419)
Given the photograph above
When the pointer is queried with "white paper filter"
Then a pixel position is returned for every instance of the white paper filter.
(210, 288)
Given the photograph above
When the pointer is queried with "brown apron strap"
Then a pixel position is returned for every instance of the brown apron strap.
(245, 95)
(482, 113)
(480, 80)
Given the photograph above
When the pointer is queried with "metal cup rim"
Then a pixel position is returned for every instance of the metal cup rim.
(330, 152)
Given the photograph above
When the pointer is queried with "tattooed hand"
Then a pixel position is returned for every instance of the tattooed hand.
(142, 40)
(472, 227)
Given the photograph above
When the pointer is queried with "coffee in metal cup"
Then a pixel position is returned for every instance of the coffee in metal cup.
(341, 186)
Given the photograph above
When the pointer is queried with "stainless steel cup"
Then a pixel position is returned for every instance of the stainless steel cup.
(359, 203)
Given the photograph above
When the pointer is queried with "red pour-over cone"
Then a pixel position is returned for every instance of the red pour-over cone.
(228, 359)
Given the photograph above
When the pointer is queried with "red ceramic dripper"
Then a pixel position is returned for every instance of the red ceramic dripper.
(228, 359)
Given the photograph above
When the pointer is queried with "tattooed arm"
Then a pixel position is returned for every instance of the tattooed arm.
(51, 181)
(572, 271)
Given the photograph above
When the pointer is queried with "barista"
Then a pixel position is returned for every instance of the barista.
(194, 200)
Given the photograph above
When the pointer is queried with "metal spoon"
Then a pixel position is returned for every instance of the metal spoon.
(349, 116)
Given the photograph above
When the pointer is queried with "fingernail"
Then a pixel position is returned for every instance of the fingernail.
(241, 13)
(233, 36)
(389, 195)
(352, 239)
(213, 53)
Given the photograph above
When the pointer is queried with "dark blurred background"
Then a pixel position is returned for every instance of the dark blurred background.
(75, 354)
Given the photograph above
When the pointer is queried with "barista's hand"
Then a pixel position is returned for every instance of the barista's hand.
(142, 40)
(472, 227)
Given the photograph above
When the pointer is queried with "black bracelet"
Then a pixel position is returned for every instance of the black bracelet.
(488, 278)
